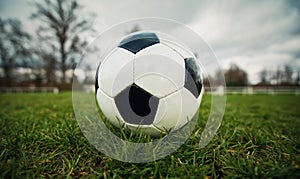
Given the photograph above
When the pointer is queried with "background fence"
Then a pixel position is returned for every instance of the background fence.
(216, 90)
(255, 90)
(29, 90)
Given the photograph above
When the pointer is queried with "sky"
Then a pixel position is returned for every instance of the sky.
(255, 35)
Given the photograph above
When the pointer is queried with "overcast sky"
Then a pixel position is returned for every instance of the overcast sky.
(255, 35)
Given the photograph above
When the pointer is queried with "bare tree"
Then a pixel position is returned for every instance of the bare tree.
(298, 78)
(288, 73)
(278, 75)
(235, 76)
(62, 24)
(13, 47)
(45, 59)
(283, 75)
(263, 77)
(219, 75)
(89, 77)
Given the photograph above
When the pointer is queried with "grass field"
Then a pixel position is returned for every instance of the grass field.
(259, 138)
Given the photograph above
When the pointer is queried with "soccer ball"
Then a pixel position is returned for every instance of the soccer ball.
(149, 83)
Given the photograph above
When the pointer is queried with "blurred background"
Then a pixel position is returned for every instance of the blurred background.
(257, 43)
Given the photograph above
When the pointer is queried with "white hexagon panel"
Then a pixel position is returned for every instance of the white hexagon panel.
(159, 70)
(116, 71)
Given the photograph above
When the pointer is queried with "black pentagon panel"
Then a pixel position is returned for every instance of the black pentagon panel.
(137, 42)
(193, 81)
(96, 77)
(137, 106)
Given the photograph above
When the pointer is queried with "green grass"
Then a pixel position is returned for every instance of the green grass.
(259, 138)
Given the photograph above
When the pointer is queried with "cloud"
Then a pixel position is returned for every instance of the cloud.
(290, 45)
(246, 22)
(252, 34)
(115, 11)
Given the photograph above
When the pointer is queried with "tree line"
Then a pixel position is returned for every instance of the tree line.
(236, 76)
(284, 75)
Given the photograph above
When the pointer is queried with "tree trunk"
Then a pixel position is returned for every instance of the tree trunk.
(8, 75)
(63, 61)
(8, 71)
